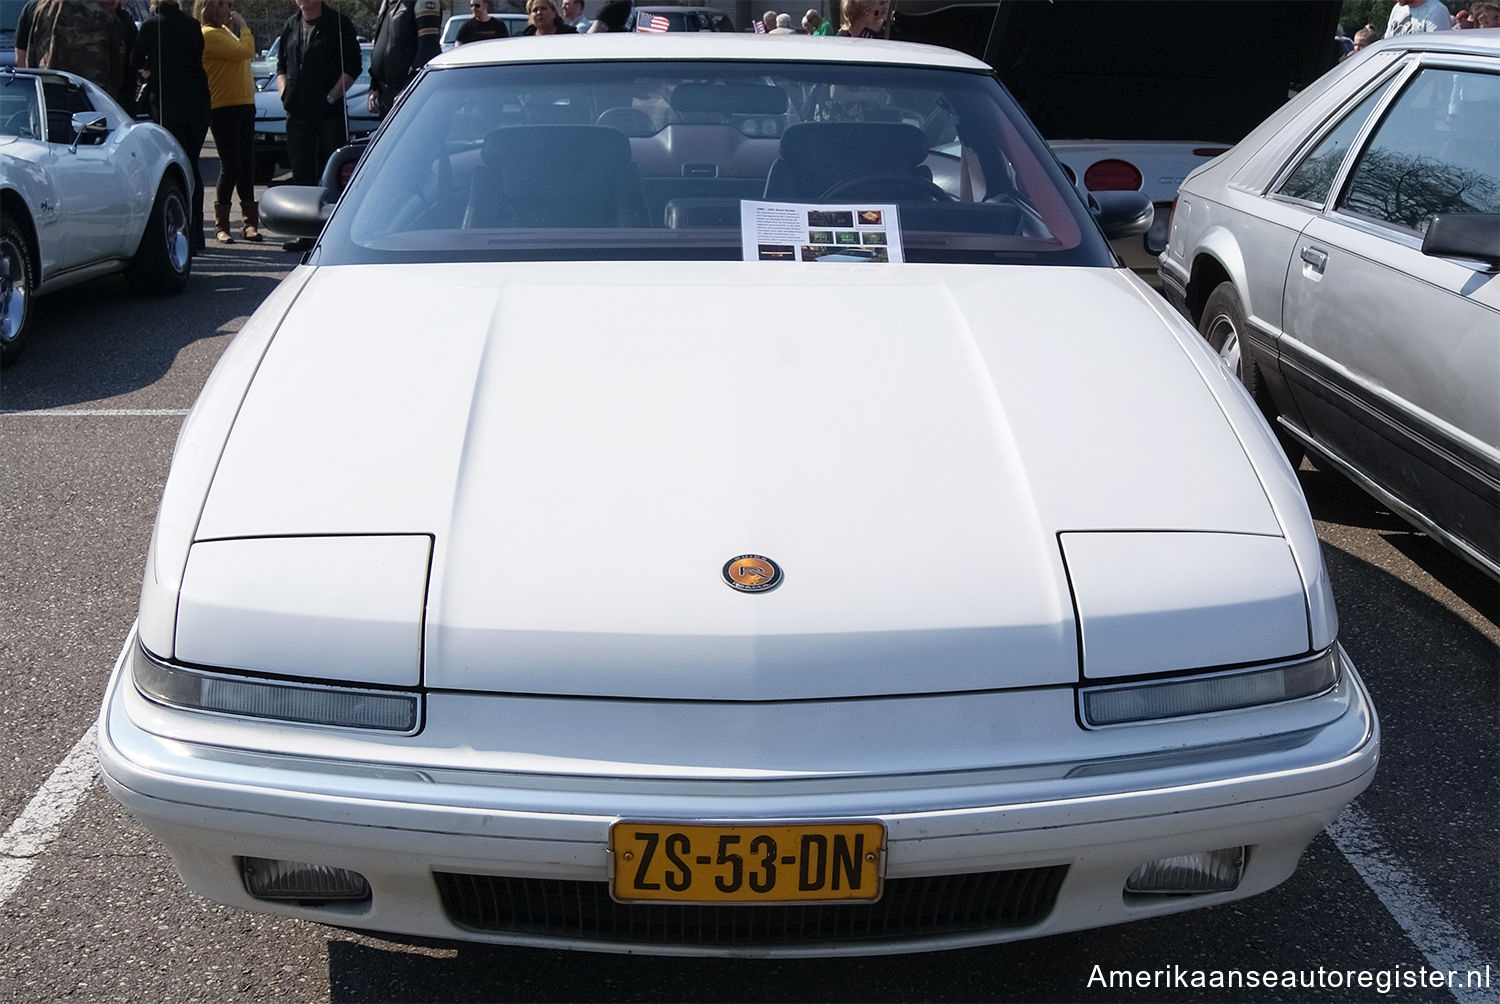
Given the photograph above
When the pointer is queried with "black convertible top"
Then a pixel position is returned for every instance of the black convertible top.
(1139, 69)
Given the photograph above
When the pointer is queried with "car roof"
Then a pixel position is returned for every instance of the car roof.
(727, 46)
(1481, 40)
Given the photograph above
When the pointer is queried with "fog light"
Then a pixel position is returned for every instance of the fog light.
(1206, 871)
(267, 878)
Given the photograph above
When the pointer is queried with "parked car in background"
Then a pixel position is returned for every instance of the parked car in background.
(10, 16)
(1134, 94)
(661, 19)
(840, 607)
(85, 191)
(270, 119)
(1343, 261)
(263, 70)
(514, 23)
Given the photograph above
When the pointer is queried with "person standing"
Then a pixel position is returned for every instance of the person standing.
(82, 37)
(406, 37)
(23, 33)
(1362, 38)
(169, 58)
(544, 19)
(317, 63)
(125, 91)
(228, 48)
(1485, 14)
(866, 18)
(612, 17)
(481, 25)
(574, 17)
(1410, 17)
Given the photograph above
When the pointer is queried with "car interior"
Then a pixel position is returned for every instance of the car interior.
(23, 115)
(487, 161)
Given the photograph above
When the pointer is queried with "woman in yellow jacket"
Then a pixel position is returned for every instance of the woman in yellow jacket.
(228, 48)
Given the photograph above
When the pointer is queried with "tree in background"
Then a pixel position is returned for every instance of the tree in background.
(1355, 14)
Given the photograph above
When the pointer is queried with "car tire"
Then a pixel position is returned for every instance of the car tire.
(1223, 327)
(164, 259)
(17, 278)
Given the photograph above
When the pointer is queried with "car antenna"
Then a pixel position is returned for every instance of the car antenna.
(989, 41)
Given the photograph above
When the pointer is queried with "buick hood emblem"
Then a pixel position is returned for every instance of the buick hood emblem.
(752, 573)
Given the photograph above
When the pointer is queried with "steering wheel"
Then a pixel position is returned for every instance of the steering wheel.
(889, 186)
(18, 124)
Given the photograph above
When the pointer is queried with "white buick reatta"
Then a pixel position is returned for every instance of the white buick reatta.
(719, 495)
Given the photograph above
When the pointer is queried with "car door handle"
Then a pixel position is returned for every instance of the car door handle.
(1317, 259)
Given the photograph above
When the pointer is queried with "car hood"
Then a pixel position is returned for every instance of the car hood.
(587, 446)
(268, 106)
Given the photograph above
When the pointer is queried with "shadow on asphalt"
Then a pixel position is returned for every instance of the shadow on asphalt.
(98, 340)
(1335, 499)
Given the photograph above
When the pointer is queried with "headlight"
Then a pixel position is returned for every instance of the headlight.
(279, 700)
(1201, 695)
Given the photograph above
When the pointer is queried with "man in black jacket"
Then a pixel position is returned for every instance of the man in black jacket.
(169, 59)
(406, 37)
(318, 61)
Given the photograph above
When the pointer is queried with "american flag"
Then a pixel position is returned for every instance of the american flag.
(760, 27)
(655, 23)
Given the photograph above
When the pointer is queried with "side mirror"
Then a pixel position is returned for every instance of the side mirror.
(295, 210)
(301, 210)
(1472, 237)
(87, 124)
(1122, 214)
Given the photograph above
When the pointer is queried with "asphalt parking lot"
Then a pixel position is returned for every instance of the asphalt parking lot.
(1406, 882)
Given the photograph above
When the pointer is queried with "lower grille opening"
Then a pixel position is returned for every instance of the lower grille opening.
(910, 908)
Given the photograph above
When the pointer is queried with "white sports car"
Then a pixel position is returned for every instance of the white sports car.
(727, 499)
(85, 191)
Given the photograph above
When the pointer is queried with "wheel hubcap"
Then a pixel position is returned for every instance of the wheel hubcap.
(175, 224)
(12, 295)
(1223, 337)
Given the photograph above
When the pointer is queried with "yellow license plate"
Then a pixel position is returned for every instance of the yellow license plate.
(746, 863)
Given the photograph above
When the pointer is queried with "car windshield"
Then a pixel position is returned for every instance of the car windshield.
(663, 160)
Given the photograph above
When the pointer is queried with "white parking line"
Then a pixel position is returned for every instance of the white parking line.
(43, 818)
(96, 412)
(1444, 945)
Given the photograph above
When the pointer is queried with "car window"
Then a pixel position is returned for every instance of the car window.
(652, 160)
(1435, 152)
(1312, 179)
(20, 112)
(63, 98)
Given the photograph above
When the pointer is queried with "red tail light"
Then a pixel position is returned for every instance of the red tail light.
(1112, 176)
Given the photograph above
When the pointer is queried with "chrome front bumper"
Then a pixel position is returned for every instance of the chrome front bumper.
(398, 813)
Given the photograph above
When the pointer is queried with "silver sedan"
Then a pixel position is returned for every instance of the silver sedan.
(1342, 259)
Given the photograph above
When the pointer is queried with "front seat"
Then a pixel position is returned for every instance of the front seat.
(815, 156)
(555, 176)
